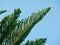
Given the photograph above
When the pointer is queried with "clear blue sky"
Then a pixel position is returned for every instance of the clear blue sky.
(48, 27)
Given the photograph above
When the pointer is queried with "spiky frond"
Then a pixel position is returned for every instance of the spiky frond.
(29, 23)
(14, 32)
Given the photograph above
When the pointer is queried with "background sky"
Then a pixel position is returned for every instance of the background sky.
(48, 27)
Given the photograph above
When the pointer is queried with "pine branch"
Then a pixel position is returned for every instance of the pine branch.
(29, 24)
(15, 32)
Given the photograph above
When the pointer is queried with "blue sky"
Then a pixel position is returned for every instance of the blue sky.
(48, 27)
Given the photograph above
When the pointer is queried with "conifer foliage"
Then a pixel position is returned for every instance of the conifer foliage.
(13, 32)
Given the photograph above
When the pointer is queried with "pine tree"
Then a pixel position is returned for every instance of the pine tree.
(13, 32)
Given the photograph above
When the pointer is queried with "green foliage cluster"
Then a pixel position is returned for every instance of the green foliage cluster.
(13, 32)
(40, 41)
